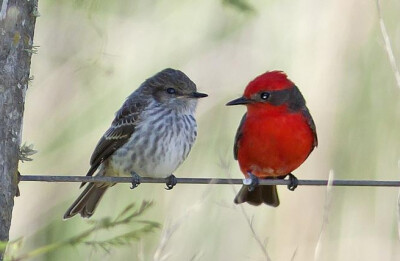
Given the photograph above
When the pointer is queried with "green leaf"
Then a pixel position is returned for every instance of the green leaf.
(241, 5)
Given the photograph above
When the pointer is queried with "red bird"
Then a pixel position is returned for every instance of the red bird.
(275, 136)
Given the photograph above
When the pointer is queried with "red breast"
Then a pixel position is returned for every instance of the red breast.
(274, 143)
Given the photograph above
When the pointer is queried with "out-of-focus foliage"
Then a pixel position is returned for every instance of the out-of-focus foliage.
(25, 152)
(128, 218)
(241, 5)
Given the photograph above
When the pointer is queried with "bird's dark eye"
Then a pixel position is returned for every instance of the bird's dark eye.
(171, 91)
(265, 95)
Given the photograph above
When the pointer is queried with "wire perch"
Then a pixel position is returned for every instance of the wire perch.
(302, 182)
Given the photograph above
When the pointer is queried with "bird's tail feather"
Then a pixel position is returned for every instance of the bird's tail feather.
(87, 202)
(261, 194)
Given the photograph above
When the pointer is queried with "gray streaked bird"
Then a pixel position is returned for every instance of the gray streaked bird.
(151, 135)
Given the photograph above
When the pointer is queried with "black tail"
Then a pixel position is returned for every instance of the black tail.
(261, 194)
(87, 202)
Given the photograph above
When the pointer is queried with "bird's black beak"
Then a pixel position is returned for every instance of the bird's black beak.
(239, 101)
(198, 95)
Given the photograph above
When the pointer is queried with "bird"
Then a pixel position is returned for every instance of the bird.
(275, 136)
(150, 136)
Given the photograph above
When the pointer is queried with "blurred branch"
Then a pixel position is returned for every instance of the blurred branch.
(392, 60)
(398, 215)
(327, 207)
(173, 225)
(262, 245)
(302, 182)
(294, 254)
(388, 45)
(126, 217)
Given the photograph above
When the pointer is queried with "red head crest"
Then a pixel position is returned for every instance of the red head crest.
(269, 81)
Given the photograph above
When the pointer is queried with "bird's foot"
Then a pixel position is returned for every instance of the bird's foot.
(251, 181)
(135, 180)
(293, 182)
(170, 182)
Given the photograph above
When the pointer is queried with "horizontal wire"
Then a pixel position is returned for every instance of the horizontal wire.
(302, 182)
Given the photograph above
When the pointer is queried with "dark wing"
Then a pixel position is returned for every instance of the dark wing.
(297, 103)
(311, 123)
(238, 136)
(123, 126)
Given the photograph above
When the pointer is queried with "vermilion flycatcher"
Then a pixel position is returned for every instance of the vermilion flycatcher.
(151, 135)
(275, 136)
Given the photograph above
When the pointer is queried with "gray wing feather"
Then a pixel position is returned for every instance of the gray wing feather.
(311, 124)
(122, 127)
(238, 136)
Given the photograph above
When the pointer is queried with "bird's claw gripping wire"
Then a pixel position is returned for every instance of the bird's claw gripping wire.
(252, 181)
(294, 182)
(135, 180)
(170, 182)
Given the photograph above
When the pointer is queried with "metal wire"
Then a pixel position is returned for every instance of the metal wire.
(302, 182)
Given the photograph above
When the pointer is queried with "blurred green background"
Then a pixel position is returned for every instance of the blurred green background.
(94, 53)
